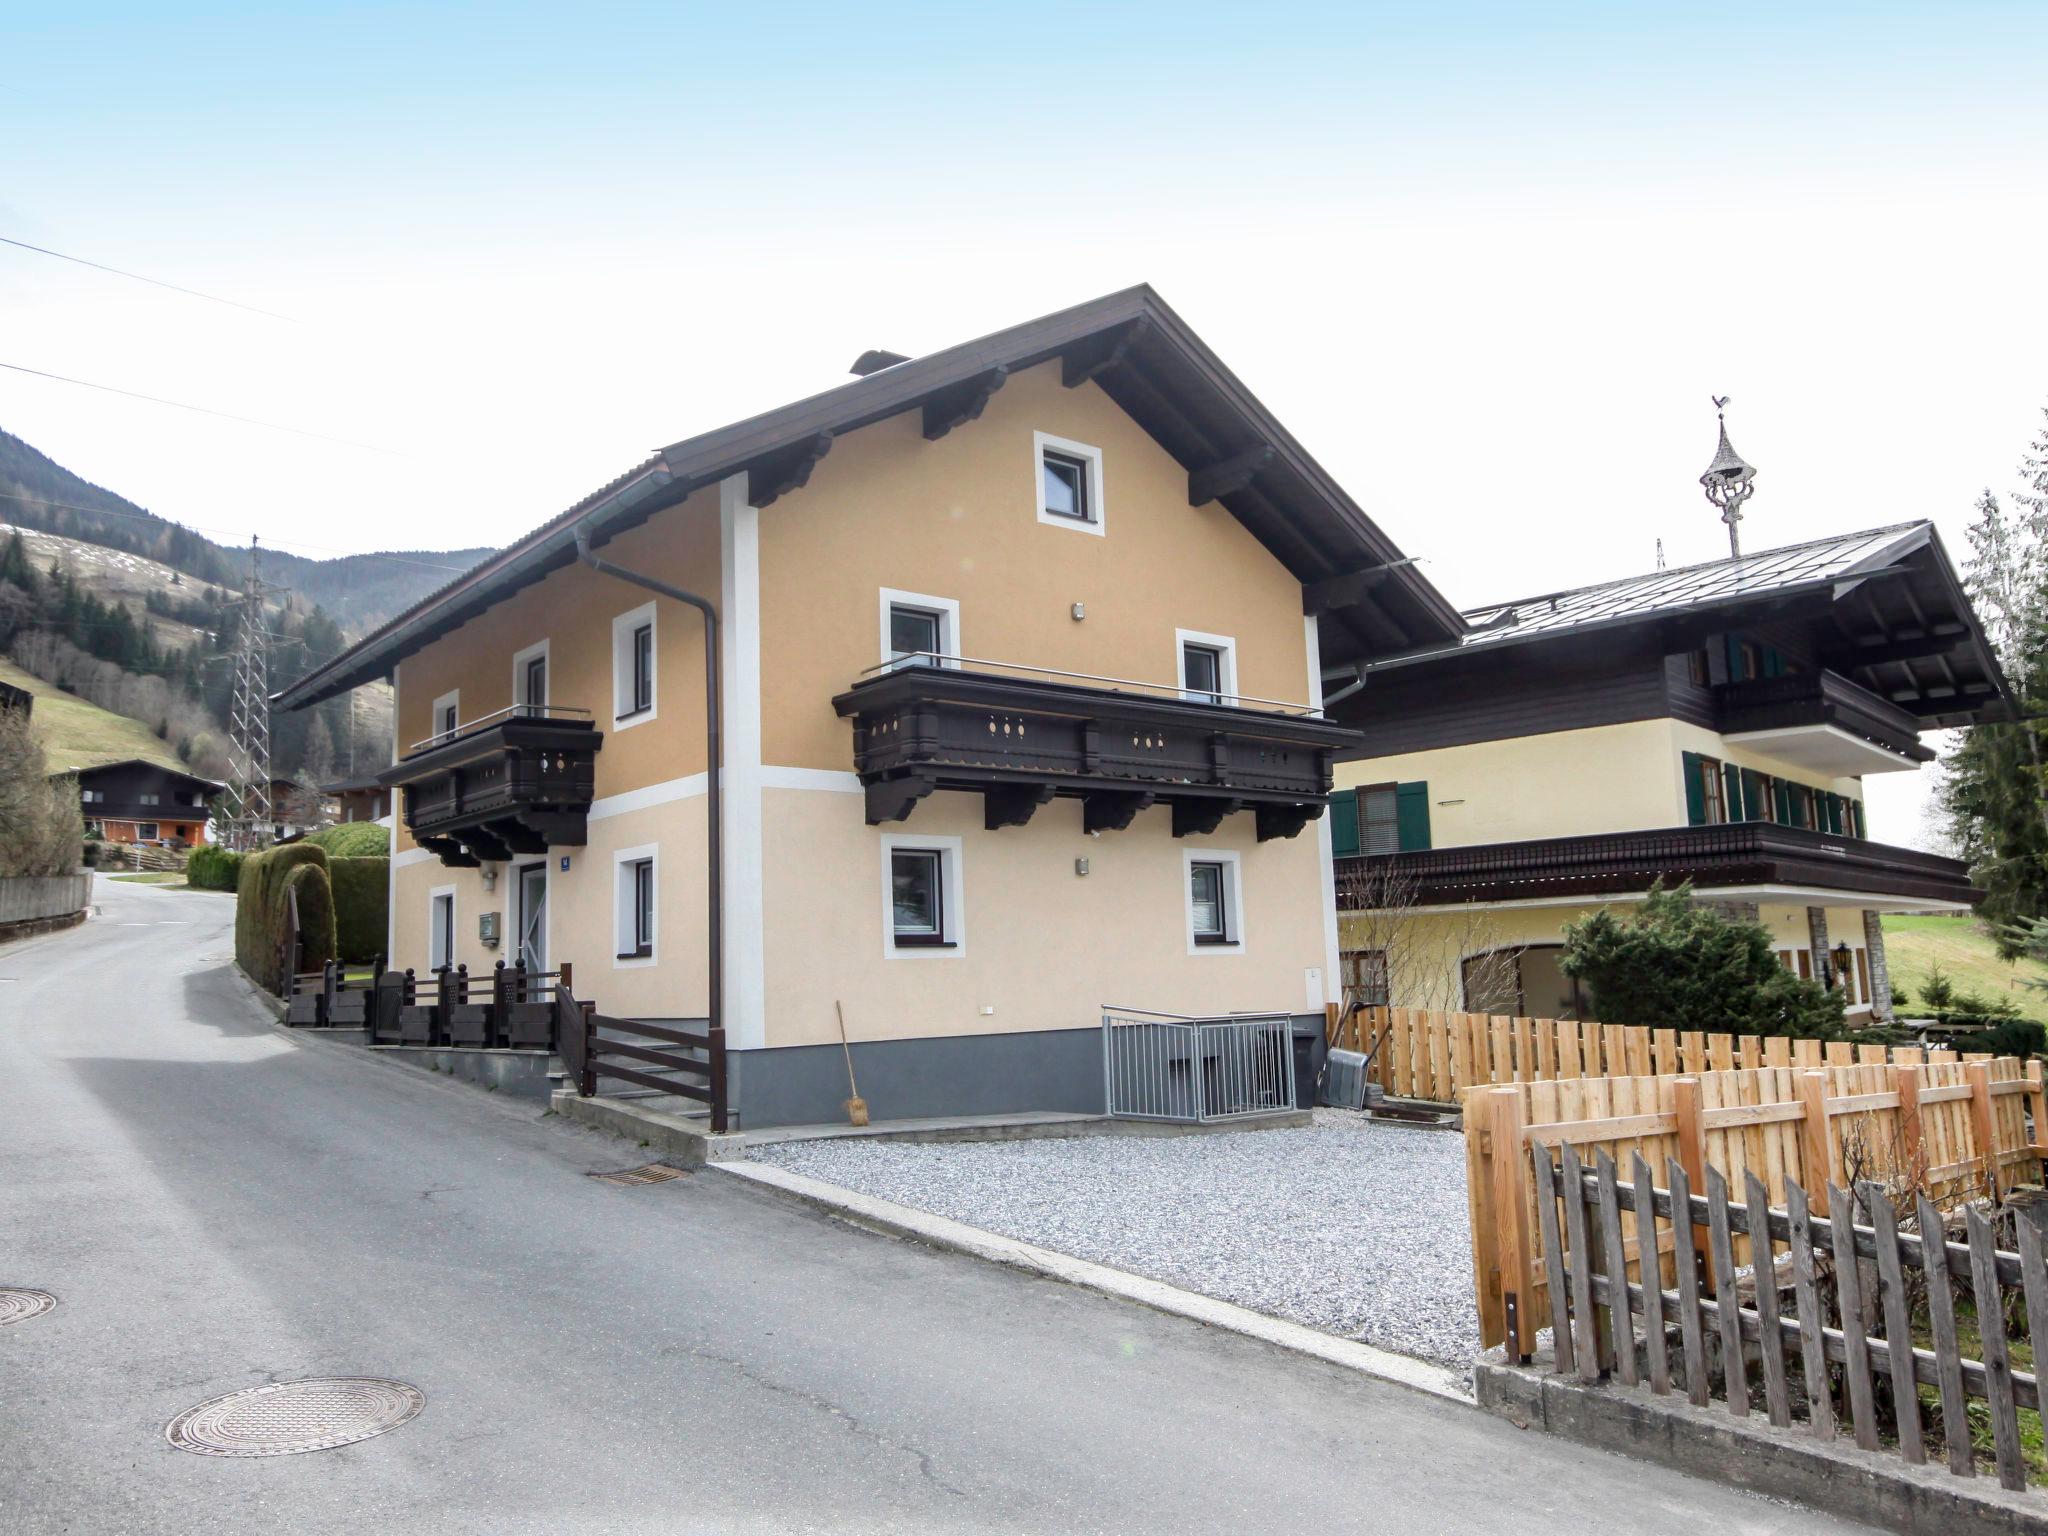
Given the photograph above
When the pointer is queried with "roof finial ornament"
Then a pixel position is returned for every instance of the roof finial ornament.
(1729, 481)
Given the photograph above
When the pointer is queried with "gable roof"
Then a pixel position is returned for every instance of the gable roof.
(83, 774)
(1130, 343)
(1898, 617)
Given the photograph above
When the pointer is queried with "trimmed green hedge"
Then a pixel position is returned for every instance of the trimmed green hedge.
(260, 911)
(352, 840)
(214, 869)
(362, 892)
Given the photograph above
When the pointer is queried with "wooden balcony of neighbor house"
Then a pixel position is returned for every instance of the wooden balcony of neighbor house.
(1820, 721)
(1736, 854)
(1020, 736)
(518, 781)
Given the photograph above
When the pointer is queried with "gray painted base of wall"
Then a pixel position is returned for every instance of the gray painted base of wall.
(520, 1074)
(940, 1076)
(1708, 1442)
(29, 927)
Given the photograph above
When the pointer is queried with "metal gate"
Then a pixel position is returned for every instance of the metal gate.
(1164, 1066)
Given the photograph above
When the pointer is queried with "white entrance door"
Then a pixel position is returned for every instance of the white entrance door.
(533, 917)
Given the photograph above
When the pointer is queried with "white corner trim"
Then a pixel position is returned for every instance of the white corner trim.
(621, 909)
(392, 866)
(1326, 854)
(688, 787)
(1097, 502)
(1233, 899)
(952, 897)
(537, 650)
(623, 626)
(746, 968)
(1224, 645)
(947, 608)
(434, 894)
(838, 781)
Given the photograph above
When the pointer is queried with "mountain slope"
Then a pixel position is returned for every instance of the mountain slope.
(360, 591)
(80, 735)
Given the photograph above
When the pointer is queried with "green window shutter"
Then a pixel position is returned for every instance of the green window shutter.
(1774, 664)
(1731, 780)
(1734, 648)
(1411, 816)
(1856, 819)
(1695, 790)
(1835, 814)
(1781, 802)
(1344, 823)
(1754, 807)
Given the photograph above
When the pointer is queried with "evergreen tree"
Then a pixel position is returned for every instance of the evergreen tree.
(1991, 787)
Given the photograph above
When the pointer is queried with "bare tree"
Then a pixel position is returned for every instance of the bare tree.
(41, 830)
(1452, 959)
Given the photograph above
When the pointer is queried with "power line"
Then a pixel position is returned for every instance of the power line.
(203, 410)
(151, 517)
(154, 282)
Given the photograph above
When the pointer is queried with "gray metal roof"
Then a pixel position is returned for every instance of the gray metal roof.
(1691, 586)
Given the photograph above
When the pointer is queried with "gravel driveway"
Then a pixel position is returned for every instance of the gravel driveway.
(1355, 1228)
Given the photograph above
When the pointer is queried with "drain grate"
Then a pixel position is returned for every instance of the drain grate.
(288, 1417)
(18, 1305)
(653, 1173)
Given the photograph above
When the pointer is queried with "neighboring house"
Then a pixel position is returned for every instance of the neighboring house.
(358, 799)
(1713, 724)
(12, 697)
(1020, 720)
(143, 802)
(298, 808)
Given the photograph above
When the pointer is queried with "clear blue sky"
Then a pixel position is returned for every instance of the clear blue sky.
(1488, 261)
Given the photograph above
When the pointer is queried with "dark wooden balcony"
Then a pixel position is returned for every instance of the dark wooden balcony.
(519, 781)
(1748, 853)
(1019, 737)
(1822, 721)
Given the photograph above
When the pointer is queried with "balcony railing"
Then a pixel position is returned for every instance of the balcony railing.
(1818, 699)
(1734, 854)
(518, 781)
(1021, 736)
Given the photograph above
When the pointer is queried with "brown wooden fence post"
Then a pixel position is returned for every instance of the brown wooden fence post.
(1506, 1120)
(1818, 1170)
(1985, 1125)
(1692, 1157)
(1911, 1146)
(2037, 1100)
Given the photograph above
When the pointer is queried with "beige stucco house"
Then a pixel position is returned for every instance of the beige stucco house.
(1713, 724)
(1021, 652)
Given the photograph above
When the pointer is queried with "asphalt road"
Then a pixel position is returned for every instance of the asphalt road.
(219, 1205)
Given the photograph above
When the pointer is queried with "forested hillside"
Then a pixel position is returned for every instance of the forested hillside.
(141, 616)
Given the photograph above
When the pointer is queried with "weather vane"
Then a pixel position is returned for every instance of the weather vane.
(1729, 481)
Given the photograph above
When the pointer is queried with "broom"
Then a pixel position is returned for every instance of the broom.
(856, 1107)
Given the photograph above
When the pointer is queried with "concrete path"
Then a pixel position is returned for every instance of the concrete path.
(218, 1205)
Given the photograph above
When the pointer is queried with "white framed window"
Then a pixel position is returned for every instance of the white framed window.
(92, 796)
(634, 694)
(530, 678)
(1067, 481)
(1214, 898)
(1207, 667)
(914, 623)
(146, 831)
(447, 715)
(922, 899)
(149, 799)
(635, 909)
(440, 927)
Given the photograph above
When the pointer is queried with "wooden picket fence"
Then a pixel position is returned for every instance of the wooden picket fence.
(1594, 1301)
(1425, 1054)
(1956, 1129)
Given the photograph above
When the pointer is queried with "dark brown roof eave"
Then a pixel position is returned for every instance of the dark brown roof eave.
(713, 455)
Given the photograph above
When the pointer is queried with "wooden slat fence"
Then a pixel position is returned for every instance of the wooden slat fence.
(1725, 1350)
(1425, 1054)
(1928, 1124)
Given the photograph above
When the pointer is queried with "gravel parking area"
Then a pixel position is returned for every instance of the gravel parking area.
(1356, 1228)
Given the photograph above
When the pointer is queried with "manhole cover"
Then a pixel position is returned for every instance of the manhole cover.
(653, 1173)
(292, 1416)
(18, 1306)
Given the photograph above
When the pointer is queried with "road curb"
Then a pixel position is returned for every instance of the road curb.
(893, 1220)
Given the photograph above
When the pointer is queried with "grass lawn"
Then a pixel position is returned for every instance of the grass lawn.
(1967, 957)
(152, 877)
(80, 735)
